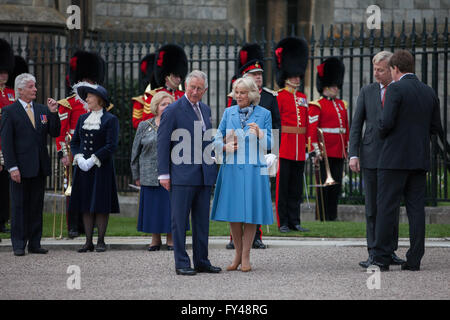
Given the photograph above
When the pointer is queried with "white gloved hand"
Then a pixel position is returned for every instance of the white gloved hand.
(81, 162)
(89, 163)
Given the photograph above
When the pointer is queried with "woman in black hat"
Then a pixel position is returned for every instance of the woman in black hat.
(94, 191)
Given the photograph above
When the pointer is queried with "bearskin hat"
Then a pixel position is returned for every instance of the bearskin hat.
(146, 68)
(170, 59)
(251, 58)
(20, 66)
(291, 59)
(86, 65)
(6, 56)
(330, 73)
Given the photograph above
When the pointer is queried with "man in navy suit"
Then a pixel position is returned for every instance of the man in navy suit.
(187, 170)
(410, 116)
(24, 130)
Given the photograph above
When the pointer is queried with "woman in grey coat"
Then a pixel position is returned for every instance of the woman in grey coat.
(154, 204)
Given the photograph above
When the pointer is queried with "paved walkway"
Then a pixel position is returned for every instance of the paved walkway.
(291, 268)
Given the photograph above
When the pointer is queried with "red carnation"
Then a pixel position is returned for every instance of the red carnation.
(320, 69)
(161, 58)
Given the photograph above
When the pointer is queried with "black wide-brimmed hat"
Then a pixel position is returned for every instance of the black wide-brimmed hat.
(20, 66)
(251, 59)
(170, 59)
(330, 73)
(291, 59)
(146, 68)
(6, 56)
(86, 65)
(82, 89)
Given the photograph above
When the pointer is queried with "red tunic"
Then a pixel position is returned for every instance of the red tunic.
(294, 123)
(7, 97)
(331, 116)
(70, 110)
(141, 104)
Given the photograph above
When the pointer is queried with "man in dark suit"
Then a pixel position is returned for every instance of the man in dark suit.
(364, 154)
(410, 116)
(24, 129)
(188, 172)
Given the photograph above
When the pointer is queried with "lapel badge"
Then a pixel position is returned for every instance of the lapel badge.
(43, 118)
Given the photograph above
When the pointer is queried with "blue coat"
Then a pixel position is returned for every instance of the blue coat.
(95, 191)
(242, 191)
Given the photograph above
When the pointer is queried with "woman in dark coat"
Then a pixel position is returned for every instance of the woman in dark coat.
(94, 191)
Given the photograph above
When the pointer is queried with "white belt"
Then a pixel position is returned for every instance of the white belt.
(334, 130)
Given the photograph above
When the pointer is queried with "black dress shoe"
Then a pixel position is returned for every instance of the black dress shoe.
(395, 260)
(367, 263)
(284, 229)
(86, 248)
(100, 247)
(405, 266)
(155, 248)
(186, 272)
(230, 245)
(169, 248)
(258, 244)
(37, 250)
(383, 267)
(300, 228)
(19, 252)
(73, 234)
(208, 269)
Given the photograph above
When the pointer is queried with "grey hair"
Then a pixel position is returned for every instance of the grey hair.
(381, 56)
(21, 82)
(199, 75)
(248, 84)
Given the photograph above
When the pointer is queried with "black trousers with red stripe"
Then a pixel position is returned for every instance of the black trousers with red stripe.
(289, 192)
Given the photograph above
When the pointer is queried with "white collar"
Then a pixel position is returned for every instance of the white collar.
(24, 104)
(93, 121)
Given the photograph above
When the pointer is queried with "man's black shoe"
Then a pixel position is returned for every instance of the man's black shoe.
(405, 266)
(383, 267)
(230, 245)
(186, 272)
(258, 244)
(367, 263)
(395, 260)
(73, 234)
(284, 229)
(37, 250)
(208, 269)
(19, 252)
(300, 228)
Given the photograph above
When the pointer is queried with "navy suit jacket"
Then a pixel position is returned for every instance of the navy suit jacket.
(185, 158)
(23, 145)
(410, 116)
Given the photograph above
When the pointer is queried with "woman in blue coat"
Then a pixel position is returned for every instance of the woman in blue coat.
(94, 191)
(242, 195)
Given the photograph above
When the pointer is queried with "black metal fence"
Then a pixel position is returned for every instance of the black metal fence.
(216, 53)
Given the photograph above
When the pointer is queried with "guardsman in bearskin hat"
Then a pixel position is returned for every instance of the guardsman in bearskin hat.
(87, 67)
(169, 70)
(141, 104)
(251, 64)
(7, 97)
(291, 59)
(329, 114)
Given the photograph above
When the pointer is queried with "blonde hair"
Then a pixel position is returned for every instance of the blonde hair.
(381, 56)
(248, 84)
(156, 100)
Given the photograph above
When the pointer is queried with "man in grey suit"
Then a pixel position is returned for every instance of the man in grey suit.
(364, 154)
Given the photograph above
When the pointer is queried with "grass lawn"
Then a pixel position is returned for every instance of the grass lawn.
(126, 227)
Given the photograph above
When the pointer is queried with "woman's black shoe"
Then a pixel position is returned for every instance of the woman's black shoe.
(154, 248)
(86, 248)
(101, 247)
(169, 248)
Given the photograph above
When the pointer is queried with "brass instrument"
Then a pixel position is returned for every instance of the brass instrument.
(329, 181)
(68, 169)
